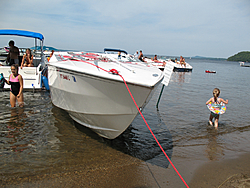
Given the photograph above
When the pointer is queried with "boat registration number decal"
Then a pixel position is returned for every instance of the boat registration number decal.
(67, 77)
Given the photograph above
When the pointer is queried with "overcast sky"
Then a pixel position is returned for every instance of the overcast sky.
(210, 28)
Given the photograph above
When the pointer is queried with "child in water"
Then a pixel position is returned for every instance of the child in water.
(215, 101)
(16, 90)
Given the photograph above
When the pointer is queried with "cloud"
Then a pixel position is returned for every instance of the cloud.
(209, 27)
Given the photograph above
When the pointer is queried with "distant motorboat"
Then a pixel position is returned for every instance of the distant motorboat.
(160, 64)
(208, 71)
(91, 88)
(177, 66)
(244, 64)
(180, 67)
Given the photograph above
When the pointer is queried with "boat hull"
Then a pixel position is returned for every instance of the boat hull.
(178, 69)
(103, 105)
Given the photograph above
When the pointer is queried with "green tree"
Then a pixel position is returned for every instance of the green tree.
(241, 56)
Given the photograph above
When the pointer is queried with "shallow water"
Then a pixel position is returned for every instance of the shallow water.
(42, 137)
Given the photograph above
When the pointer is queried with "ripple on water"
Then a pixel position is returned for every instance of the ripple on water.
(26, 132)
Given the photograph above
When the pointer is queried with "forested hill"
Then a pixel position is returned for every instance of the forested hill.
(241, 56)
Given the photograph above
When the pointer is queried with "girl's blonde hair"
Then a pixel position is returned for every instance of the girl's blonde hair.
(216, 93)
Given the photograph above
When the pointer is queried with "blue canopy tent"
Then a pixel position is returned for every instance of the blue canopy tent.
(23, 33)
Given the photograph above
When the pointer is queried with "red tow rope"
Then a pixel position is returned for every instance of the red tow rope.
(152, 131)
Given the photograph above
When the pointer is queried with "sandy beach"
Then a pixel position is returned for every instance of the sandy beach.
(125, 171)
(225, 173)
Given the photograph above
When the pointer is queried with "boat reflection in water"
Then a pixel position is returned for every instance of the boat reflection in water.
(181, 77)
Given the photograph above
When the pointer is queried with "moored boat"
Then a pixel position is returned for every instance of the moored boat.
(244, 64)
(91, 87)
(180, 67)
(32, 76)
(208, 71)
(160, 64)
(177, 66)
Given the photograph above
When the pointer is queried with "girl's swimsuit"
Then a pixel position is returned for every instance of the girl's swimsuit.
(15, 85)
(216, 105)
(25, 60)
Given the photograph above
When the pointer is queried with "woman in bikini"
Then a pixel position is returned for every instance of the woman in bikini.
(27, 60)
(16, 90)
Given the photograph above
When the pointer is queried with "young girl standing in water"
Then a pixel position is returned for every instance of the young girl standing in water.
(16, 90)
(216, 101)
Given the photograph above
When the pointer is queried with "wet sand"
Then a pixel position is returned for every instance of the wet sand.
(225, 173)
(121, 171)
(125, 171)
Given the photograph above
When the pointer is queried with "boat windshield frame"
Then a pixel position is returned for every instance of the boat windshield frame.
(110, 50)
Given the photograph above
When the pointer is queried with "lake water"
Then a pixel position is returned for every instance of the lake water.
(42, 137)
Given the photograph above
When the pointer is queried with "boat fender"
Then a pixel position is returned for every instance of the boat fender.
(2, 81)
(45, 82)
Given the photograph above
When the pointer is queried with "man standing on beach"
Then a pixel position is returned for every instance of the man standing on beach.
(13, 54)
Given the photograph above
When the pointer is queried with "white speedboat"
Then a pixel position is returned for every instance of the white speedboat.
(160, 64)
(91, 88)
(32, 76)
(244, 64)
(180, 67)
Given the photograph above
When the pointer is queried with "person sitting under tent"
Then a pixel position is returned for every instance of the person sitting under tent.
(27, 60)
